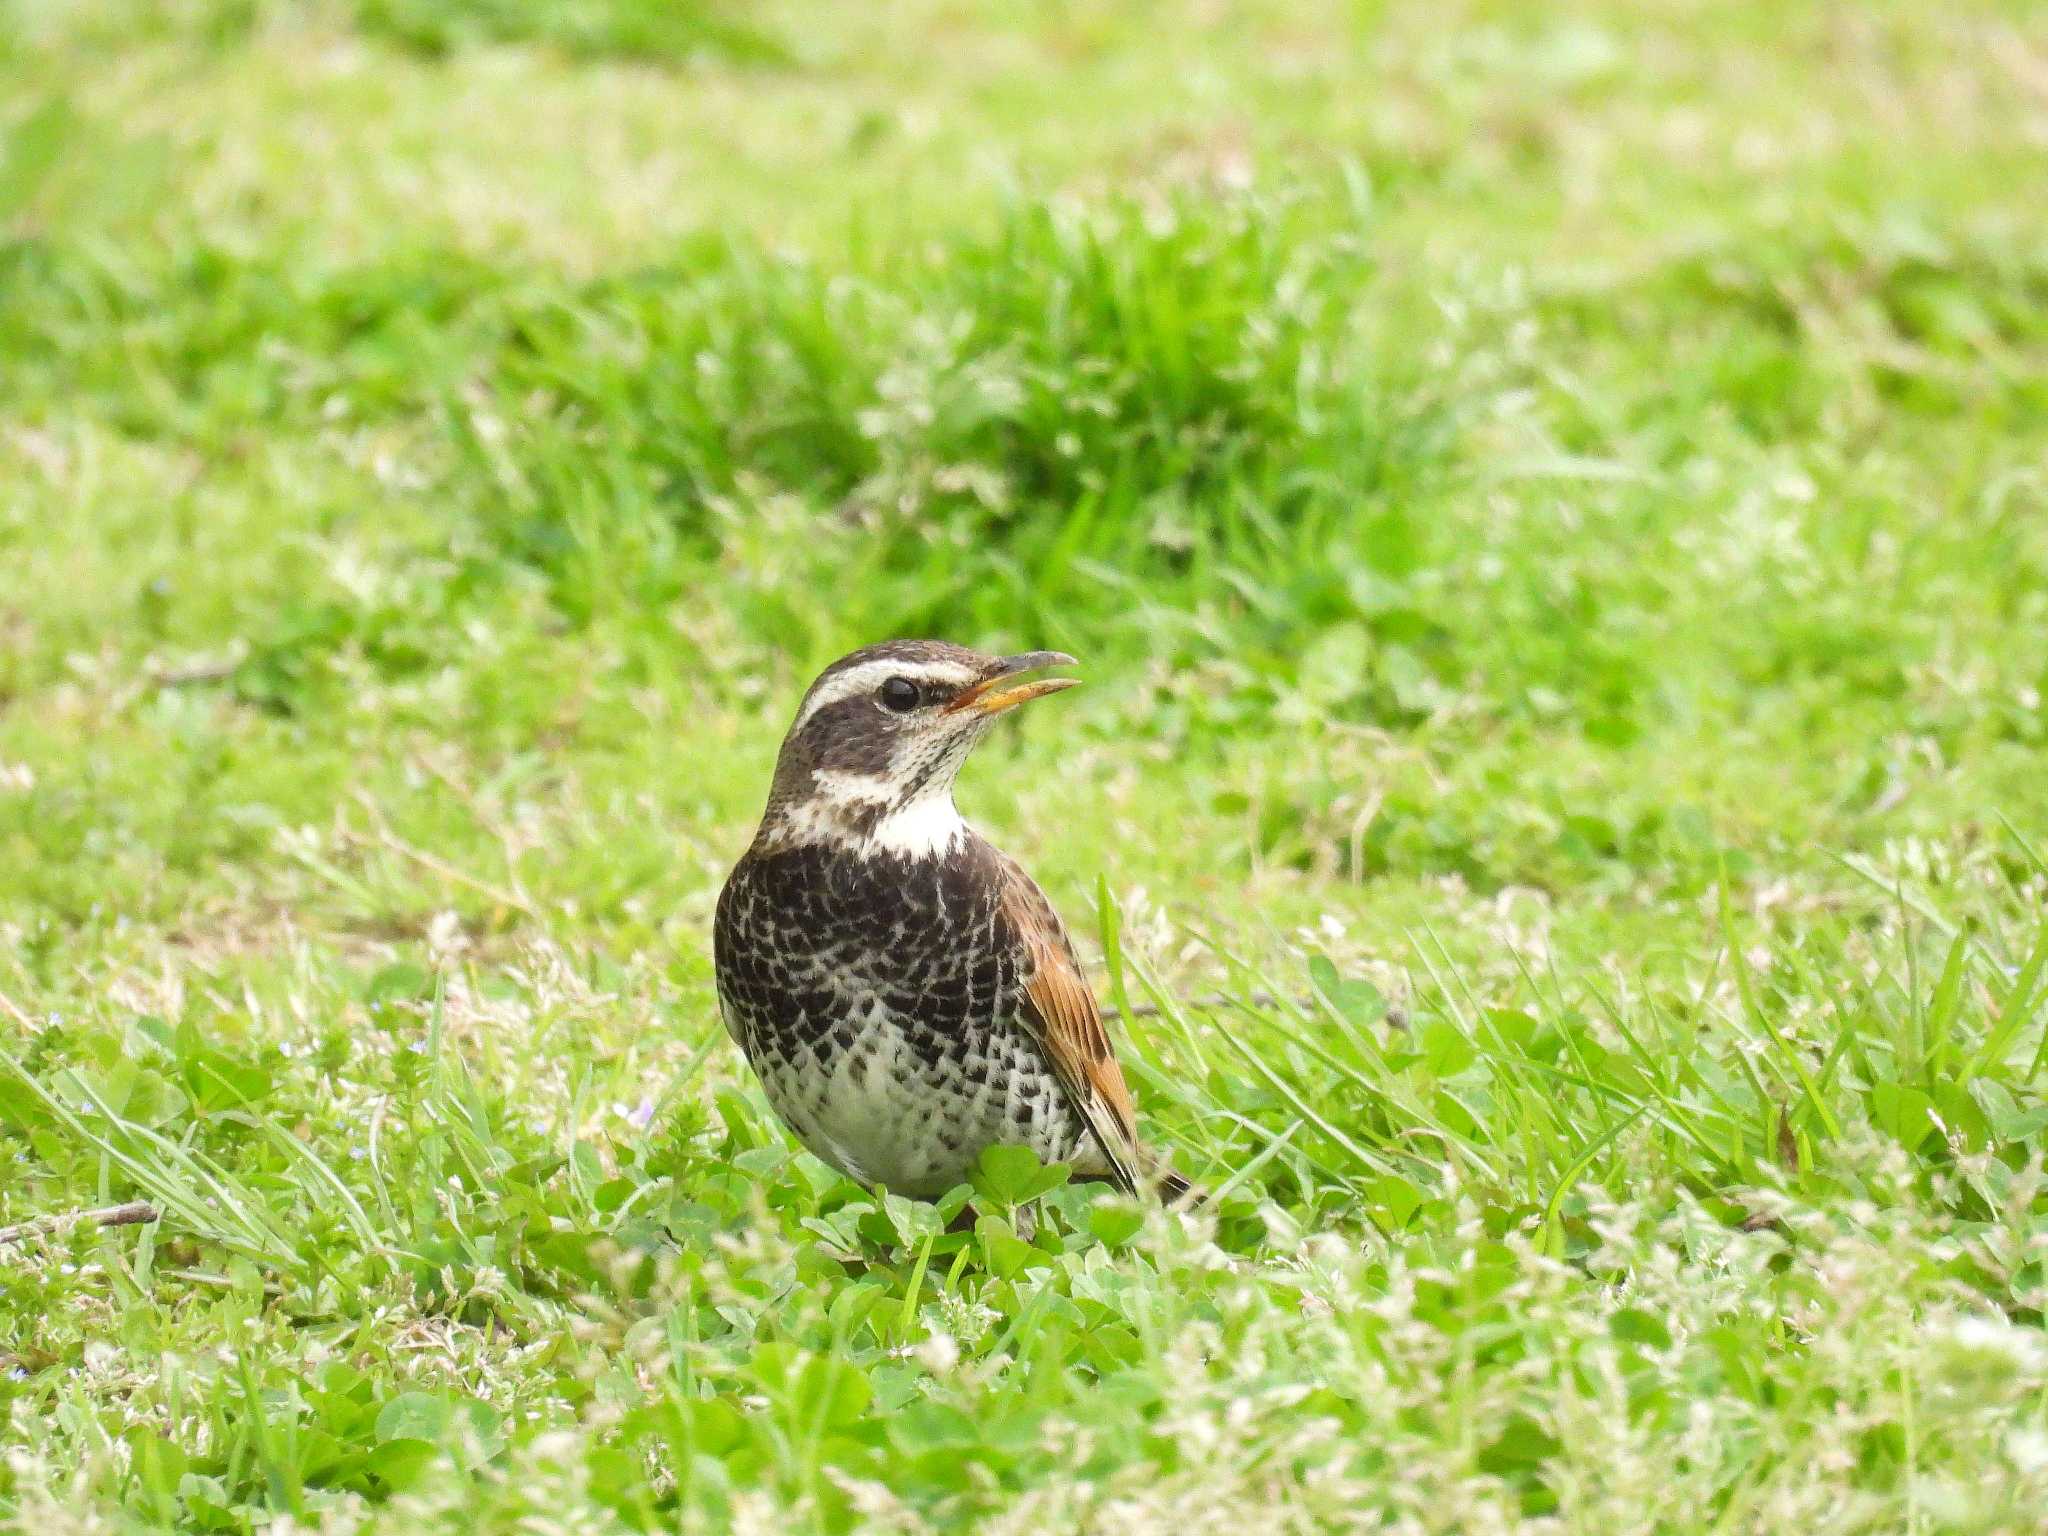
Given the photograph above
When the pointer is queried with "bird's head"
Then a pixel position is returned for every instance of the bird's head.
(869, 762)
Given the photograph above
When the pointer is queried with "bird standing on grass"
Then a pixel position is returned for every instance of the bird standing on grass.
(905, 992)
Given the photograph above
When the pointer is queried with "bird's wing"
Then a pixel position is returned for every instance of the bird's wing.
(722, 920)
(1060, 1010)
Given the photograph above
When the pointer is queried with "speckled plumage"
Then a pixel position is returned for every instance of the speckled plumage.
(879, 1000)
(905, 993)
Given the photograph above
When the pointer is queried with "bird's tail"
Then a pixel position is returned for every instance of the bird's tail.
(1174, 1187)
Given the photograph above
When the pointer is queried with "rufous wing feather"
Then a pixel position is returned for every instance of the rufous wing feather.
(1069, 1026)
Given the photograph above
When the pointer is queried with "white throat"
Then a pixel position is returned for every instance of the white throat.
(924, 827)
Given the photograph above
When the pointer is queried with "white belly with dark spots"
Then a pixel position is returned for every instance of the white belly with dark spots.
(903, 1112)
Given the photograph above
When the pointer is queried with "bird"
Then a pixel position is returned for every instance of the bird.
(904, 991)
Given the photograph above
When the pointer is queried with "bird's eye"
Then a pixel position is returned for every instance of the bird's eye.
(899, 694)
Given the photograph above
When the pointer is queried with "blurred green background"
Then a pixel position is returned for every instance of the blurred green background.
(1551, 505)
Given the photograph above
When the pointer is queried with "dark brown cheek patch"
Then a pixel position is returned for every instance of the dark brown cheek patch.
(851, 736)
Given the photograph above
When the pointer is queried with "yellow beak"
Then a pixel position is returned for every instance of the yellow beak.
(987, 697)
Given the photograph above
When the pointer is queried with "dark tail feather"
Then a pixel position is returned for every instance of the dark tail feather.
(1173, 1187)
(1160, 1179)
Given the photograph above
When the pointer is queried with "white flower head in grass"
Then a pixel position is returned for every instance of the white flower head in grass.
(938, 1352)
(760, 1514)
(1985, 1353)
(445, 938)
(967, 1322)
(879, 1507)
(1147, 930)
(2027, 1450)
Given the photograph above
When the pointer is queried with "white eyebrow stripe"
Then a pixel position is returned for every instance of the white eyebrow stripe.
(869, 674)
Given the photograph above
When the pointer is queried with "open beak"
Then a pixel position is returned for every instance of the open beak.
(990, 697)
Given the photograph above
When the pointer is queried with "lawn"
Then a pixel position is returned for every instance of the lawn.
(1552, 506)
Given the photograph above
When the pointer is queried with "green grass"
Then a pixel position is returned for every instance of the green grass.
(1550, 503)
